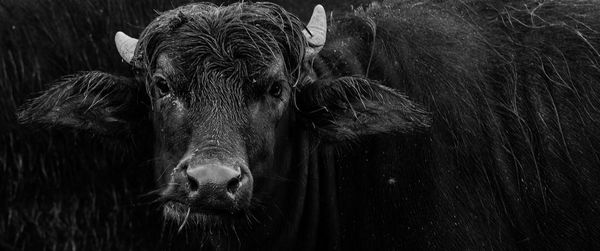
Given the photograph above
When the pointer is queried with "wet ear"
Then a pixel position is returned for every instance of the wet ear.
(349, 107)
(93, 101)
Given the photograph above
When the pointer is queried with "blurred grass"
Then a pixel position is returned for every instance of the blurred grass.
(61, 190)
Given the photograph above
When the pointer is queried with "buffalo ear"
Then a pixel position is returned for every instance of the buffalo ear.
(92, 101)
(348, 107)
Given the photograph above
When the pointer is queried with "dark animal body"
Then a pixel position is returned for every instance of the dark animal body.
(422, 125)
(511, 158)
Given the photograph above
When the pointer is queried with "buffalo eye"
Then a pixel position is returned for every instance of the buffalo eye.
(161, 86)
(275, 90)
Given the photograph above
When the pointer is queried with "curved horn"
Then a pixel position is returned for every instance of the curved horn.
(316, 31)
(125, 46)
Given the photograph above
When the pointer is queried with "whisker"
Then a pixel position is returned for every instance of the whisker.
(187, 215)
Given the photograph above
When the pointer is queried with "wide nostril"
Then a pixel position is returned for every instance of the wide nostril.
(233, 185)
(193, 183)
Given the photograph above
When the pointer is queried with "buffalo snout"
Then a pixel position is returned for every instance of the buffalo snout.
(213, 185)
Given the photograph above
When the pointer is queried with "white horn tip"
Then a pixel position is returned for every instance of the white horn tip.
(317, 26)
(319, 9)
(125, 45)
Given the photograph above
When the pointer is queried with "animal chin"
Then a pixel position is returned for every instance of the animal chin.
(178, 211)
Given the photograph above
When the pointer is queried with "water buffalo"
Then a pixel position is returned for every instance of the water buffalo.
(423, 125)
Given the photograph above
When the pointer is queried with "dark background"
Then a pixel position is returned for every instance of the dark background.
(64, 190)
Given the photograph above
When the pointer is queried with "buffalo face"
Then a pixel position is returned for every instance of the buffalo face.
(220, 82)
(211, 140)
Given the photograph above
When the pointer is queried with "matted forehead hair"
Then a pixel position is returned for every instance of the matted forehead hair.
(232, 39)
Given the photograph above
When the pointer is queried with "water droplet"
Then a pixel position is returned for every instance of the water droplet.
(391, 181)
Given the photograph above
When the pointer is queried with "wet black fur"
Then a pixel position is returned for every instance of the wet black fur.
(239, 36)
(345, 108)
(91, 101)
(511, 158)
